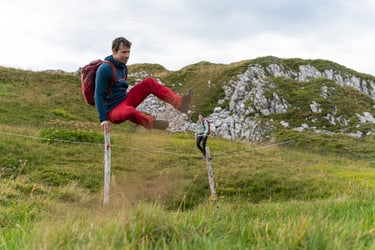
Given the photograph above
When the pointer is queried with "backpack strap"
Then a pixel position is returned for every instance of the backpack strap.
(114, 71)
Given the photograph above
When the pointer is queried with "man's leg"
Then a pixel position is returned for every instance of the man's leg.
(198, 143)
(140, 91)
(124, 112)
(150, 86)
(204, 142)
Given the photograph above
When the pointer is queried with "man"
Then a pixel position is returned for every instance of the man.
(201, 134)
(115, 104)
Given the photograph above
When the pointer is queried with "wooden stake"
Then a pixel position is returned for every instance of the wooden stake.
(107, 167)
(210, 175)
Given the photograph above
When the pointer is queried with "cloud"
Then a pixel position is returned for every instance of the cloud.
(67, 34)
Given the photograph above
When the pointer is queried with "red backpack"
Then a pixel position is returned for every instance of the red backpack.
(88, 74)
(209, 126)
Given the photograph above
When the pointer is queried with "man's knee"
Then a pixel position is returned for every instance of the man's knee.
(149, 80)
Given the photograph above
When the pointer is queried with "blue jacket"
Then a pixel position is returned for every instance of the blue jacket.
(201, 128)
(107, 99)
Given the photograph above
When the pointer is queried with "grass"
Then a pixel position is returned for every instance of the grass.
(335, 224)
(346, 103)
(302, 191)
(270, 197)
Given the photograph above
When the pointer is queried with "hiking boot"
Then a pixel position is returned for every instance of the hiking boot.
(186, 101)
(160, 124)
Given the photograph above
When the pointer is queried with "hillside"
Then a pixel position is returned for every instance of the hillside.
(276, 193)
(245, 100)
(251, 100)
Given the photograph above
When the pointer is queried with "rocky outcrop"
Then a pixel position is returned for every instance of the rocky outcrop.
(248, 102)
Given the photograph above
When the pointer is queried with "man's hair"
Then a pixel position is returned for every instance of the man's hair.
(118, 41)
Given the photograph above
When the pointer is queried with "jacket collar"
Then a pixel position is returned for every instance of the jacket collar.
(116, 63)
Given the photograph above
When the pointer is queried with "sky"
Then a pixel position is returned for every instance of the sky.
(67, 34)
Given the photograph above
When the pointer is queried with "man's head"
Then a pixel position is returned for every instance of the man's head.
(201, 116)
(121, 49)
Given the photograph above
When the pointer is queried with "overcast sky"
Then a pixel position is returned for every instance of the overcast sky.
(67, 34)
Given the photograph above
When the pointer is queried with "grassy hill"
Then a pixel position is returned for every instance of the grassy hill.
(207, 80)
(303, 191)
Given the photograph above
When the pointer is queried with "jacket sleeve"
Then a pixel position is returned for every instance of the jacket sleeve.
(103, 77)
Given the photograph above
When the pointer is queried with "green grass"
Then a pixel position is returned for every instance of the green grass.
(270, 196)
(336, 224)
(302, 191)
(345, 103)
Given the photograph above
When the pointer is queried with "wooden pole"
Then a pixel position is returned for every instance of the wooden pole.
(210, 175)
(107, 167)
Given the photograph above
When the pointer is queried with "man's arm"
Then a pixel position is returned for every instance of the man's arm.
(103, 77)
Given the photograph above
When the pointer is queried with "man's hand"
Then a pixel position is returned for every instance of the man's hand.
(106, 125)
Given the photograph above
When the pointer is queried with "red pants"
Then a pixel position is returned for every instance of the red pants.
(126, 110)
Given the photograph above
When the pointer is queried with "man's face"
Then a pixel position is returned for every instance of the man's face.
(122, 55)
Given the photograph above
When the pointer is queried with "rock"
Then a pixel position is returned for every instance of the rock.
(246, 95)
